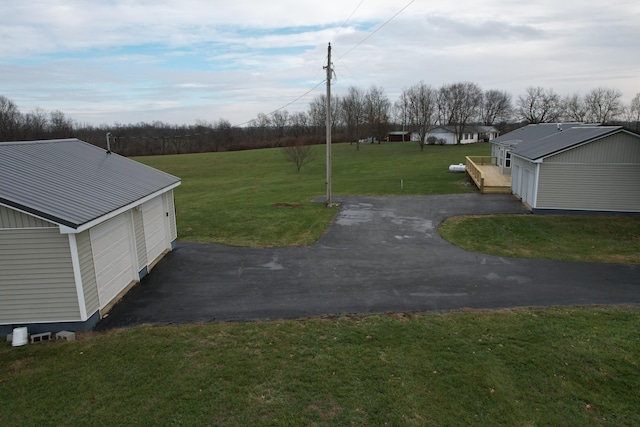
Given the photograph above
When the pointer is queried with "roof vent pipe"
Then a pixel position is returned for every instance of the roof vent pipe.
(108, 143)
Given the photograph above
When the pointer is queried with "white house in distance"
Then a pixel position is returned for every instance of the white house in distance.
(78, 227)
(470, 134)
(572, 167)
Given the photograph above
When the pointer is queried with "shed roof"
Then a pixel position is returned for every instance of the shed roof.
(543, 141)
(71, 182)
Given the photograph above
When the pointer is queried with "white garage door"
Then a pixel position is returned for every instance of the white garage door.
(528, 186)
(112, 257)
(155, 228)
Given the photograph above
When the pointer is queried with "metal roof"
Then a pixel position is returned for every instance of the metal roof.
(535, 132)
(543, 141)
(71, 182)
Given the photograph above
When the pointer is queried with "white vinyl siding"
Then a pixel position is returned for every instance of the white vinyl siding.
(10, 218)
(37, 283)
(113, 257)
(589, 187)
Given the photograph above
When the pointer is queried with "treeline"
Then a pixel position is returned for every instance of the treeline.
(357, 115)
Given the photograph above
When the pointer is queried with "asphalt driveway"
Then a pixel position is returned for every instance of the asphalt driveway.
(380, 254)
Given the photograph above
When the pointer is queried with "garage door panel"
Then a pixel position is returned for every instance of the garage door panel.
(112, 257)
(155, 227)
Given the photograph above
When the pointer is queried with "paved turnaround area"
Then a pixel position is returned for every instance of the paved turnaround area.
(380, 254)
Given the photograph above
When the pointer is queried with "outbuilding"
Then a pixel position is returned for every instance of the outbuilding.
(577, 169)
(79, 226)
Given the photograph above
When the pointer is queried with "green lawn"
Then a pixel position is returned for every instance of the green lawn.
(558, 366)
(255, 198)
(613, 239)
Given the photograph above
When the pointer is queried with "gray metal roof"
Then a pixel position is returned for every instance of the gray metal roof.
(543, 141)
(534, 132)
(71, 182)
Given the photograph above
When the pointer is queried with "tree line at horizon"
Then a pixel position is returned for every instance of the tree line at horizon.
(357, 115)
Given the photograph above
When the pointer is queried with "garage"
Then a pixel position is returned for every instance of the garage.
(80, 226)
(112, 257)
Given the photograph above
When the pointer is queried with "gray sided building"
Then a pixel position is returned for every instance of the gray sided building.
(582, 168)
(78, 227)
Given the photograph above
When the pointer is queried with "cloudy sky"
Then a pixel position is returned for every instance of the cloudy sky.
(178, 61)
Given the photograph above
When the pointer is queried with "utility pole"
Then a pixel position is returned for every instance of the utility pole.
(329, 75)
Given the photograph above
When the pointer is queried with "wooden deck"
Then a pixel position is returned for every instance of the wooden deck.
(484, 171)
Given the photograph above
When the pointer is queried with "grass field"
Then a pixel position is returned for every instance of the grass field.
(558, 366)
(255, 198)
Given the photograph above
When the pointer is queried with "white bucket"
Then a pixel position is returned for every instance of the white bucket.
(20, 336)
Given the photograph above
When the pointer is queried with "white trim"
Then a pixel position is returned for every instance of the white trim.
(112, 214)
(75, 261)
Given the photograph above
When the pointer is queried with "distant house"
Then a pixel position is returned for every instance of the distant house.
(399, 136)
(560, 167)
(470, 134)
(78, 227)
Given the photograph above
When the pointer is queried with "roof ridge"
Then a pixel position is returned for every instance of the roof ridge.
(39, 141)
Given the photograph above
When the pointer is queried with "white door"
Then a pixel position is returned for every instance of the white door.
(156, 233)
(527, 187)
(515, 180)
(112, 257)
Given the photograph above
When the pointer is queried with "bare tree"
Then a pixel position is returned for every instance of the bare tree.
(353, 104)
(574, 109)
(60, 126)
(538, 105)
(376, 111)
(633, 113)
(299, 155)
(603, 104)
(422, 107)
(318, 113)
(298, 122)
(495, 107)
(223, 134)
(279, 120)
(400, 111)
(10, 118)
(458, 105)
(35, 124)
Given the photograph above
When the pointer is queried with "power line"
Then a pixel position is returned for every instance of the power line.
(349, 18)
(298, 98)
(286, 105)
(377, 29)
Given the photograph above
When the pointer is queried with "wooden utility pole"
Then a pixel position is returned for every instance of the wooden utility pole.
(329, 74)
